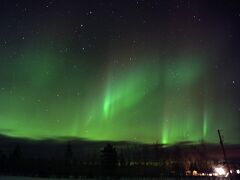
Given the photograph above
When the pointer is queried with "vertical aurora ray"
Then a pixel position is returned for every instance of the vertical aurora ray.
(181, 117)
(205, 123)
(164, 135)
(206, 109)
(145, 102)
(125, 91)
(107, 104)
(129, 88)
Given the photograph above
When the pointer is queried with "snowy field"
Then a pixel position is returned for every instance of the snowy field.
(36, 178)
(27, 178)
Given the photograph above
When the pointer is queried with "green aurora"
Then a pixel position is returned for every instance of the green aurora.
(157, 99)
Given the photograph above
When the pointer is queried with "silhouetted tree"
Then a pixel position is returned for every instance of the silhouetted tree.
(122, 160)
(109, 160)
(178, 165)
(156, 151)
(68, 163)
(3, 160)
(15, 160)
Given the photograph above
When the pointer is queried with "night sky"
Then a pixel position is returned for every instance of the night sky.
(136, 70)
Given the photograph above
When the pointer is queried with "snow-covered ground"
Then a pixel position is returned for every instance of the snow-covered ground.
(37, 178)
(27, 178)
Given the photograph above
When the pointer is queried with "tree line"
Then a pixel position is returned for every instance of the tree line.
(132, 161)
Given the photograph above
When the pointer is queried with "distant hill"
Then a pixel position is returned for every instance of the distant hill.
(55, 147)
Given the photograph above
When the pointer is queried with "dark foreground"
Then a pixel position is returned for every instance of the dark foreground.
(78, 159)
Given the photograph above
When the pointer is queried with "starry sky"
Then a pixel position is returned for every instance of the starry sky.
(136, 70)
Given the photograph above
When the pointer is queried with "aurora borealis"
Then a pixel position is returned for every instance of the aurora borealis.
(141, 71)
